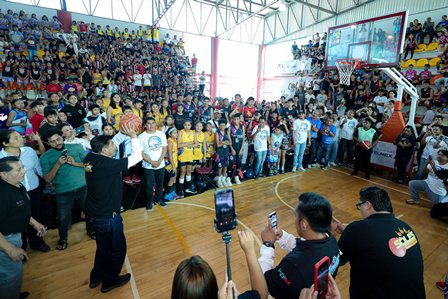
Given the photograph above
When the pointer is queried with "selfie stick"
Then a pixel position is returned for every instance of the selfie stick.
(226, 237)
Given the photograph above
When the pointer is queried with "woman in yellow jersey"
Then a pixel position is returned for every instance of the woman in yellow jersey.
(114, 111)
(159, 117)
(106, 98)
(187, 142)
(156, 35)
(171, 163)
(210, 140)
(201, 150)
(148, 34)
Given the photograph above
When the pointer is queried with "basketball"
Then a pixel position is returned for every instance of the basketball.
(365, 145)
(132, 120)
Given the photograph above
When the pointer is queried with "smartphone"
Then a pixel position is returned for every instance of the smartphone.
(225, 210)
(273, 217)
(79, 130)
(64, 152)
(321, 272)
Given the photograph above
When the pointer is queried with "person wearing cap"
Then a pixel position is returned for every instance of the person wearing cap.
(433, 185)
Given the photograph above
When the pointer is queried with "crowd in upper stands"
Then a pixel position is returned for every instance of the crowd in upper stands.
(88, 79)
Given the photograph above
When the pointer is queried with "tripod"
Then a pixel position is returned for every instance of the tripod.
(227, 237)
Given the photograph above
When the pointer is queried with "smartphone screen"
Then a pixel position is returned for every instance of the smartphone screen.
(225, 210)
(321, 272)
(64, 152)
(273, 217)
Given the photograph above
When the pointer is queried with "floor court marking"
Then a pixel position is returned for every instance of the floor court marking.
(278, 195)
(211, 209)
(399, 216)
(132, 281)
(176, 231)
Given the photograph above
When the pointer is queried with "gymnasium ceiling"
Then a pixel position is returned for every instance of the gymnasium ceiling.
(250, 21)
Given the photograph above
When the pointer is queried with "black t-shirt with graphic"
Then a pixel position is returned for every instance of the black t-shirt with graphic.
(296, 270)
(385, 258)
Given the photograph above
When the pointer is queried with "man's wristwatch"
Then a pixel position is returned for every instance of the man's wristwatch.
(269, 244)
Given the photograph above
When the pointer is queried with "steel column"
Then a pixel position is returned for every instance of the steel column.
(214, 76)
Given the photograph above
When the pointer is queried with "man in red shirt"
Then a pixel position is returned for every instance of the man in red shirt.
(425, 75)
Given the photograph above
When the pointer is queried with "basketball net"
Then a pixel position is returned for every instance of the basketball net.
(346, 67)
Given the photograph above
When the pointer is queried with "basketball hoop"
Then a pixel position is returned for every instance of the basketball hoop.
(346, 67)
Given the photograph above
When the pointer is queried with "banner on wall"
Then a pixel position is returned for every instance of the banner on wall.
(384, 154)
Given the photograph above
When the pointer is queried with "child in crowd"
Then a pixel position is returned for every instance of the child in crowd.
(277, 137)
(171, 163)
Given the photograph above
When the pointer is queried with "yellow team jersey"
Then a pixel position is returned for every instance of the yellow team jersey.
(100, 32)
(210, 140)
(198, 152)
(140, 33)
(159, 118)
(74, 28)
(117, 113)
(148, 33)
(117, 34)
(156, 34)
(106, 103)
(186, 153)
(139, 113)
(168, 165)
(109, 32)
(134, 36)
(126, 35)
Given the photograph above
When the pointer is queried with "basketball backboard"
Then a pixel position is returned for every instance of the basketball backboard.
(376, 42)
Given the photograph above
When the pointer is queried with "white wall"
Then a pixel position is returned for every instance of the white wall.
(40, 11)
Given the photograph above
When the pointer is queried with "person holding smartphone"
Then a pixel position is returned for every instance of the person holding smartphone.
(296, 270)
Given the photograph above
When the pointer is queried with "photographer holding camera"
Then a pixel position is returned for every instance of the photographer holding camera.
(405, 143)
(433, 185)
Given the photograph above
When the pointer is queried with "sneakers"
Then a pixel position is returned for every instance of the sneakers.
(412, 201)
(237, 180)
(162, 203)
(302, 169)
(149, 207)
(121, 280)
(310, 166)
(294, 169)
(325, 168)
(228, 182)
(191, 190)
(169, 196)
(127, 180)
(316, 165)
(136, 179)
(333, 164)
(181, 194)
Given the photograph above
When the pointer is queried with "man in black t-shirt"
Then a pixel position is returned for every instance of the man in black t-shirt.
(405, 143)
(296, 270)
(15, 215)
(383, 251)
(104, 185)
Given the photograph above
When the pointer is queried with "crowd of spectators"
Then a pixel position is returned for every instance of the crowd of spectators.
(94, 77)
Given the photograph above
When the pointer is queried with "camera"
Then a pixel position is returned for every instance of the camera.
(225, 210)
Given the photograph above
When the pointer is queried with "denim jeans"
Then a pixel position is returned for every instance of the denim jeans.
(421, 165)
(10, 272)
(299, 150)
(416, 186)
(327, 148)
(334, 152)
(110, 249)
(261, 157)
(154, 178)
(64, 202)
(312, 150)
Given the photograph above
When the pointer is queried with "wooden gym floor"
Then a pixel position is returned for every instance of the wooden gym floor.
(159, 240)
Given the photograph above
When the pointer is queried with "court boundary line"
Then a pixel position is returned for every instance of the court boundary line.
(134, 288)
(278, 195)
(176, 231)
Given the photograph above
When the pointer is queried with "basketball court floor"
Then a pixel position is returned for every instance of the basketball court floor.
(159, 240)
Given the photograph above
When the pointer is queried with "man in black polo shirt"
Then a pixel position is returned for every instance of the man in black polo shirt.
(15, 215)
(383, 251)
(296, 270)
(104, 190)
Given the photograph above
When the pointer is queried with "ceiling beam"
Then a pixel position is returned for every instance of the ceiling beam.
(316, 7)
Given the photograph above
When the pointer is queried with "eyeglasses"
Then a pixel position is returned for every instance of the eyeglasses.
(359, 204)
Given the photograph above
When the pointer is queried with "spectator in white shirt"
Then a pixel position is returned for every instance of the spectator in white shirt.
(380, 101)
